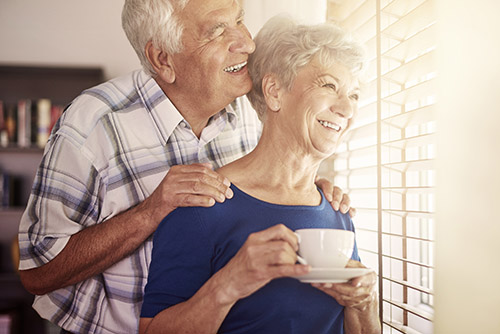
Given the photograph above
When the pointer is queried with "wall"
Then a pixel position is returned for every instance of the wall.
(65, 32)
(468, 193)
(259, 11)
(68, 32)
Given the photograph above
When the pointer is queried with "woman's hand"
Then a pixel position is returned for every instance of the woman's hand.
(265, 255)
(358, 293)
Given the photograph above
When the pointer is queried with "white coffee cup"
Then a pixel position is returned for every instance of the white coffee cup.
(325, 247)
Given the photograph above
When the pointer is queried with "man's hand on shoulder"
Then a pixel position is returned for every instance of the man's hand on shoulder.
(187, 185)
(336, 197)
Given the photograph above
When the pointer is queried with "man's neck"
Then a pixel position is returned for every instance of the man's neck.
(196, 113)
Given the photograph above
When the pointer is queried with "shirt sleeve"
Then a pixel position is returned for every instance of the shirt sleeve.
(181, 261)
(64, 200)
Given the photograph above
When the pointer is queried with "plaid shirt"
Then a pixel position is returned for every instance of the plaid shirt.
(108, 152)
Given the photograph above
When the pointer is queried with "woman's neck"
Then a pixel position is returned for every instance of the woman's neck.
(276, 172)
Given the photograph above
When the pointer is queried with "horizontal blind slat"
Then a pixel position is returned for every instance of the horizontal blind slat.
(411, 23)
(424, 40)
(416, 141)
(409, 213)
(412, 70)
(414, 93)
(403, 260)
(401, 328)
(410, 285)
(412, 309)
(407, 237)
(423, 164)
(414, 117)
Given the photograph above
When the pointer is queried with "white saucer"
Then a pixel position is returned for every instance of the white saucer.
(332, 275)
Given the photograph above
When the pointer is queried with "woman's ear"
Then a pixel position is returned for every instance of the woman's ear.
(161, 63)
(272, 92)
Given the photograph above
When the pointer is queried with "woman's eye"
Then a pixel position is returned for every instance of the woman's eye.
(354, 97)
(331, 86)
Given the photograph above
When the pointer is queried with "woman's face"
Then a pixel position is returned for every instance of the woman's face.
(320, 107)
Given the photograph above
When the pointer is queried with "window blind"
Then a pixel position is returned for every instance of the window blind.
(386, 163)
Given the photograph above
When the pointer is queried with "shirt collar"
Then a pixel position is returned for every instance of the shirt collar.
(165, 115)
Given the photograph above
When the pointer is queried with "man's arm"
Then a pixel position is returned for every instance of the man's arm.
(96, 248)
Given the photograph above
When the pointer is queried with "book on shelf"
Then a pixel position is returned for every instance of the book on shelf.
(10, 186)
(27, 123)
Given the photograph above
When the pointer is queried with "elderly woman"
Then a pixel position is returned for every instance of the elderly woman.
(230, 268)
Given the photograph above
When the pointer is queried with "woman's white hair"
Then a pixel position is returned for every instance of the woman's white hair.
(155, 21)
(283, 47)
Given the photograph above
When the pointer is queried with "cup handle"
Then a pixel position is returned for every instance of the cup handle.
(300, 259)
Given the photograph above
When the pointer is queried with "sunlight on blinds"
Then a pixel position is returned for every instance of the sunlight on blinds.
(386, 162)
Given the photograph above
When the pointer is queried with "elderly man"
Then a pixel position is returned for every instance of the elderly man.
(128, 152)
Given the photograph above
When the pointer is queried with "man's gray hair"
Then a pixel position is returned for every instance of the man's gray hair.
(155, 21)
(283, 47)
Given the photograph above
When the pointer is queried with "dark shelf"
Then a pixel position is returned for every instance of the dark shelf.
(59, 84)
(18, 149)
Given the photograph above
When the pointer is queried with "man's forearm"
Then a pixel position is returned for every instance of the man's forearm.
(92, 250)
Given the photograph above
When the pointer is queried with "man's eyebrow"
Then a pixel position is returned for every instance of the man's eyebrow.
(219, 25)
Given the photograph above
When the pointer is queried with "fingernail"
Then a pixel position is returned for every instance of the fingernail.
(229, 193)
(344, 208)
(335, 206)
(226, 182)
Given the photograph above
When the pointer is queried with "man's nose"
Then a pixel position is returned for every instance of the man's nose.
(242, 41)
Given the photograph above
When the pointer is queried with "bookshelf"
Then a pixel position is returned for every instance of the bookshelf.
(60, 85)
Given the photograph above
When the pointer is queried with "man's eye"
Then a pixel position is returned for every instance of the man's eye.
(218, 32)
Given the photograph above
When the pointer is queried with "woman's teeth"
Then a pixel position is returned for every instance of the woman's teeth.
(330, 125)
(235, 68)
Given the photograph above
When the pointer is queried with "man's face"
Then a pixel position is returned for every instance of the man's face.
(212, 66)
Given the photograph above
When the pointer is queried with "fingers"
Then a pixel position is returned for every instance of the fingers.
(202, 180)
(345, 204)
(327, 188)
(265, 255)
(352, 212)
(336, 197)
(348, 296)
(276, 232)
(194, 185)
(357, 293)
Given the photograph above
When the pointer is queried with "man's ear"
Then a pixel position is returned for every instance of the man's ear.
(272, 91)
(161, 62)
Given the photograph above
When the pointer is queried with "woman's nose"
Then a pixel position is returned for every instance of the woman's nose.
(344, 107)
(242, 41)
